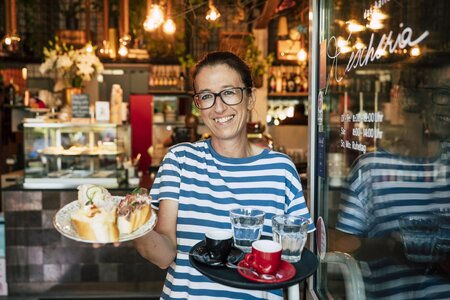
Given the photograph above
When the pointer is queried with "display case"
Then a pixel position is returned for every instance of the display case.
(62, 155)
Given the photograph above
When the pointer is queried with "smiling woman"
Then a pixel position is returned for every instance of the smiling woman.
(199, 183)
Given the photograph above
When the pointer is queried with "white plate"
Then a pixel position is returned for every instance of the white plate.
(63, 224)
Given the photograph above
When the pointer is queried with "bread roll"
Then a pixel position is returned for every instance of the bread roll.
(133, 212)
(96, 220)
(94, 224)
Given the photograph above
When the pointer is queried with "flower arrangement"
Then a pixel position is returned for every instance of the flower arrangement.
(71, 65)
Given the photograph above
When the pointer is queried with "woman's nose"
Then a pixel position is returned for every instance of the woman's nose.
(219, 106)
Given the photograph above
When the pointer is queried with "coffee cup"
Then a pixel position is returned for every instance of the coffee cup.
(265, 257)
(219, 243)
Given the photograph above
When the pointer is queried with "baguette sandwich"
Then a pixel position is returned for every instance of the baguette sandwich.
(134, 211)
(96, 219)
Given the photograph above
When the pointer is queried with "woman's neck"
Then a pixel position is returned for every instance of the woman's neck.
(235, 148)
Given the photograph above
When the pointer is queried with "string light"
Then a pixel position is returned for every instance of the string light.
(213, 13)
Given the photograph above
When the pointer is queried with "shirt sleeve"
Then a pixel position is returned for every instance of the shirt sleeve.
(166, 185)
(295, 199)
(352, 216)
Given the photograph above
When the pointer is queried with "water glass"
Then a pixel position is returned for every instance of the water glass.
(443, 236)
(291, 233)
(419, 233)
(247, 224)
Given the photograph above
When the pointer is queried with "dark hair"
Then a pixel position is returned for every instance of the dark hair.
(225, 58)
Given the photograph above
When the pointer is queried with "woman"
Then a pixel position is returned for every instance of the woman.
(199, 183)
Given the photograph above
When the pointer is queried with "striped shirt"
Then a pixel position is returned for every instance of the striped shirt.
(207, 186)
(381, 187)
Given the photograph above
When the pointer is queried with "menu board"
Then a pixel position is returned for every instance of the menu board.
(80, 106)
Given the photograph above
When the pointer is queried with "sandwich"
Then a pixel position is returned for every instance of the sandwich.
(96, 219)
(134, 211)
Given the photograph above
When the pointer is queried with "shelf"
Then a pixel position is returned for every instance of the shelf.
(84, 154)
(294, 94)
(170, 92)
(72, 125)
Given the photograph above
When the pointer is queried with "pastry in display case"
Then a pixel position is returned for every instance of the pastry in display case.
(65, 155)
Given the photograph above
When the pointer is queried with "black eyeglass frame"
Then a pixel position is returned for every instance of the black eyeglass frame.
(219, 95)
(439, 90)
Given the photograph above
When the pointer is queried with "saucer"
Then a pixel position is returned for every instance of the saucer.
(284, 273)
(200, 254)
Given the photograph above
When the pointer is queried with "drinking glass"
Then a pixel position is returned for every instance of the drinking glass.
(291, 233)
(247, 224)
(419, 233)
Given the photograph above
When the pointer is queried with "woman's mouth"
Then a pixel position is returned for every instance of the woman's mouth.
(223, 119)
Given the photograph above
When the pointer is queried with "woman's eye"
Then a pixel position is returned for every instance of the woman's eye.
(205, 97)
(229, 93)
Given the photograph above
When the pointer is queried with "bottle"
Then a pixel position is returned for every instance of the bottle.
(10, 95)
(298, 80)
(181, 82)
(283, 82)
(290, 84)
(272, 83)
(279, 86)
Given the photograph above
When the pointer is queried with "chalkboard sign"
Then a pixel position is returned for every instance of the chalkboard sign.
(80, 106)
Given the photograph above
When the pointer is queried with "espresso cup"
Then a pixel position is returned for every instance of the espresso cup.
(219, 244)
(265, 257)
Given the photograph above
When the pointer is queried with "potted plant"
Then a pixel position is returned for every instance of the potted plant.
(259, 65)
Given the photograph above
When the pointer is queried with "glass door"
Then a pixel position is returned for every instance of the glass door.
(382, 141)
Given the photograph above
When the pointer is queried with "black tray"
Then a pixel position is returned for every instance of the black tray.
(227, 276)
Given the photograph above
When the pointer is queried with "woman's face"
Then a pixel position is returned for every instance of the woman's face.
(225, 122)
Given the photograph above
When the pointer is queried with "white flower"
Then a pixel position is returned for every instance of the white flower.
(70, 63)
(64, 62)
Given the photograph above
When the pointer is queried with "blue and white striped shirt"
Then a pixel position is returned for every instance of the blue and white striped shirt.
(380, 188)
(207, 186)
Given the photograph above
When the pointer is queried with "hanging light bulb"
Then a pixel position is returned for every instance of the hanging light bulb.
(169, 26)
(213, 13)
(154, 19)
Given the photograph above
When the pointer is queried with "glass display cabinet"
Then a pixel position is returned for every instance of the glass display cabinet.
(64, 155)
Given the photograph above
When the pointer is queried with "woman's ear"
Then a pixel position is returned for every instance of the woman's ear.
(251, 99)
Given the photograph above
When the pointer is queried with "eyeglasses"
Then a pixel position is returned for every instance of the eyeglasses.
(231, 96)
(440, 96)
